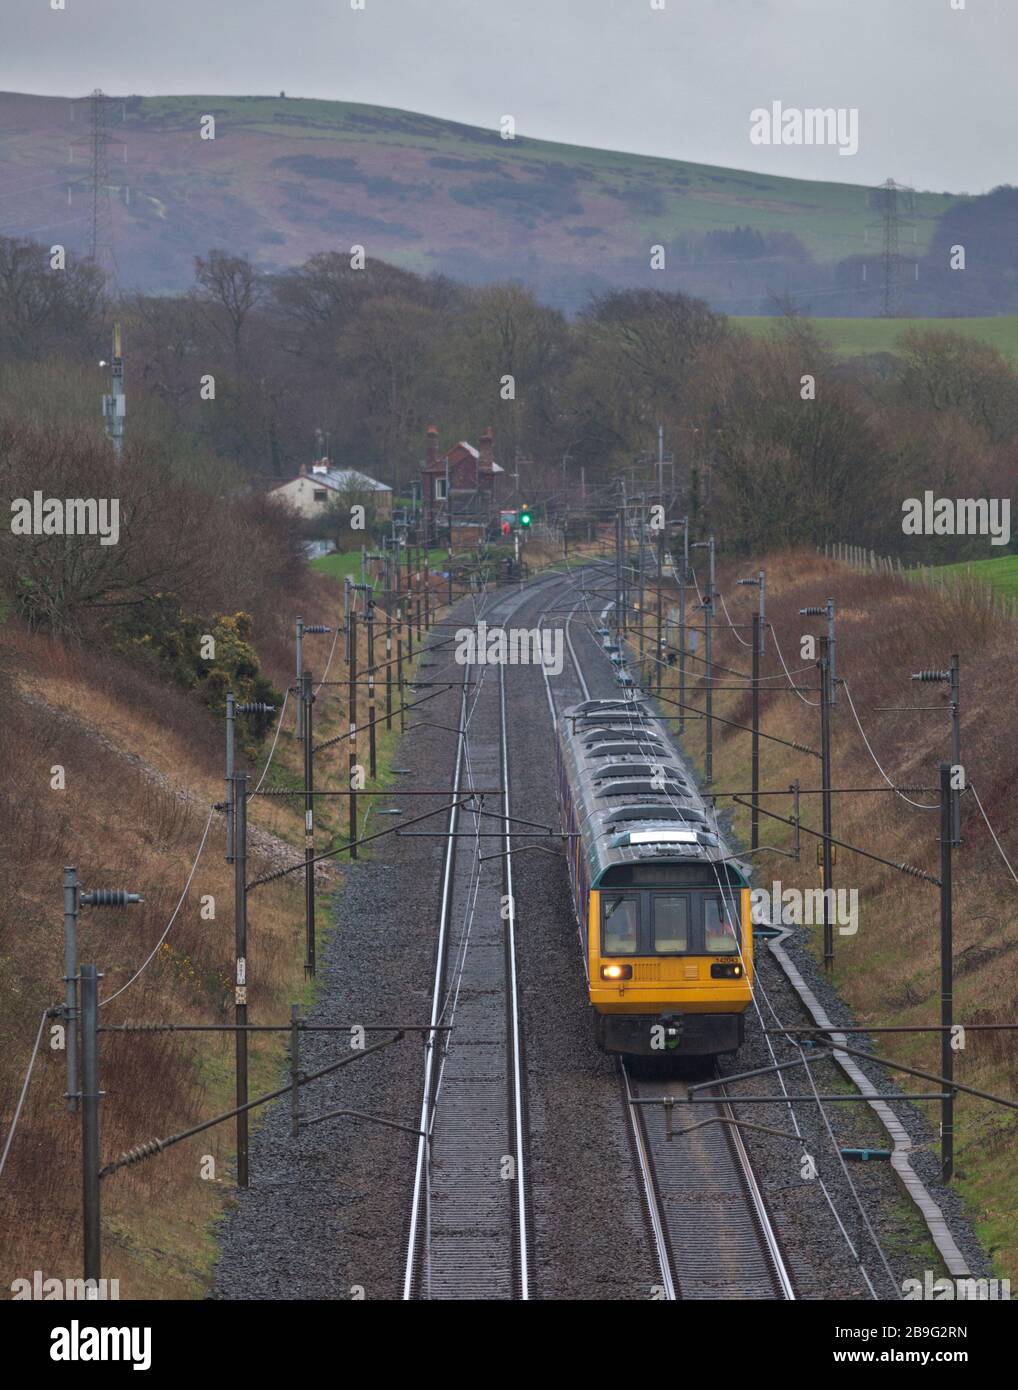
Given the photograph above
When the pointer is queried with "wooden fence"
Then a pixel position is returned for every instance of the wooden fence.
(954, 583)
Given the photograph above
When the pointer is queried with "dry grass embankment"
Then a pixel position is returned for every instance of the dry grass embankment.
(888, 972)
(142, 765)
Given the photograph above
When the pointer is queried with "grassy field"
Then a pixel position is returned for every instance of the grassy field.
(348, 562)
(1001, 575)
(855, 337)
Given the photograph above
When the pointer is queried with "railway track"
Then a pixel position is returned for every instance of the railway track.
(706, 1216)
(712, 1233)
(469, 1222)
(709, 1229)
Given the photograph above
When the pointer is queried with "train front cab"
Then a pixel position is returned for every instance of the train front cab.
(671, 973)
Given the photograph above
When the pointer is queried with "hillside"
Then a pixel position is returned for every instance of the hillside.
(284, 178)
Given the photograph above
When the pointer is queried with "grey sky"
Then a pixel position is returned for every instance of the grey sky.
(934, 86)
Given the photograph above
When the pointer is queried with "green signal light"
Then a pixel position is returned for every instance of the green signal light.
(525, 517)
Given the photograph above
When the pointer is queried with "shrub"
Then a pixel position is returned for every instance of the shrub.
(210, 656)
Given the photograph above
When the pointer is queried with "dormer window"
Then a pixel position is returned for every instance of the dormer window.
(441, 489)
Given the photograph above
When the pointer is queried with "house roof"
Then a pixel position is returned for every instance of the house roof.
(439, 464)
(339, 480)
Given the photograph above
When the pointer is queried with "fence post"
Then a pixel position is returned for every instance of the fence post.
(370, 621)
(352, 761)
(307, 700)
(71, 986)
(90, 1193)
(946, 979)
(240, 953)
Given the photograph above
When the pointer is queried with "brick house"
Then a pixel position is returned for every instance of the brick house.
(461, 490)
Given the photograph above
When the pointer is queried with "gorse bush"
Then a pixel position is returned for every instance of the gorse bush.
(208, 656)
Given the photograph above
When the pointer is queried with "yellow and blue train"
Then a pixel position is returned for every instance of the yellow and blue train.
(663, 913)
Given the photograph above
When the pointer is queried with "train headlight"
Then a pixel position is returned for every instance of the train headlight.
(727, 970)
(616, 972)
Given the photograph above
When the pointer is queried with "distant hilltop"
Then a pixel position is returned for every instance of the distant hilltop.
(283, 178)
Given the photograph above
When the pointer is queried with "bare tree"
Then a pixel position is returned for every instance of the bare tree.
(232, 286)
(45, 310)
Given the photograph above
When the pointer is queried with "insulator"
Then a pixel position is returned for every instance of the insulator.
(154, 1146)
(109, 897)
(256, 709)
(316, 627)
(812, 612)
(932, 676)
(911, 869)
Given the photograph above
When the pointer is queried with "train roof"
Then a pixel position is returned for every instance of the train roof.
(636, 808)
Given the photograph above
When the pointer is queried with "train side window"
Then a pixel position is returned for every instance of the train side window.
(621, 926)
(670, 923)
(720, 935)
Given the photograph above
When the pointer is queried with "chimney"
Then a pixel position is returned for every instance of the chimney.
(431, 455)
(486, 456)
